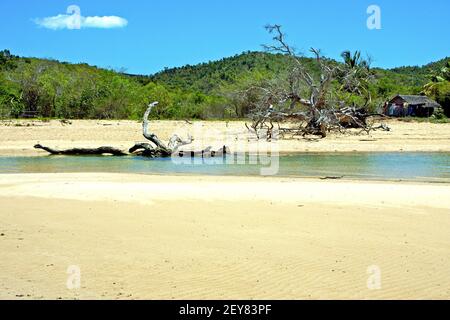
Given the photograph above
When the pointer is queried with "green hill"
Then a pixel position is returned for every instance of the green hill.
(419, 75)
(219, 76)
(49, 88)
(213, 76)
(31, 87)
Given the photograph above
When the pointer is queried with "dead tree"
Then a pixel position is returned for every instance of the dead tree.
(310, 101)
(83, 151)
(155, 149)
(158, 149)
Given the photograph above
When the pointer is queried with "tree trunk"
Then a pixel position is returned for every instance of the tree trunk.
(83, 151)
(157, 150)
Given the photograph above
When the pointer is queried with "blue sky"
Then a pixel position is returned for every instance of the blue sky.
(168, 33)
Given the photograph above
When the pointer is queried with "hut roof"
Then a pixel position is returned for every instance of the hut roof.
(416, 100)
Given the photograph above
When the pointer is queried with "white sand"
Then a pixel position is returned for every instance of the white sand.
(19, 137)
(164, 237)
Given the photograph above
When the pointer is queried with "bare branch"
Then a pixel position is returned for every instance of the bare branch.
(309, 100)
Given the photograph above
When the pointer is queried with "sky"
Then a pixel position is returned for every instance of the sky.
(145, 36)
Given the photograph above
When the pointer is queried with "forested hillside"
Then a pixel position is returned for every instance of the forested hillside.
(31, 87)
(211, 76)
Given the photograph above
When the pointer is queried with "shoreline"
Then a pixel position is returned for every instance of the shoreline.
(20, 138)
(135, 187)
(136, 176)
(6, 153)
(318, 178)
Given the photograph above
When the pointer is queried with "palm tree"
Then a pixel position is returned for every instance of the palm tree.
(356, 74)
(431, 88)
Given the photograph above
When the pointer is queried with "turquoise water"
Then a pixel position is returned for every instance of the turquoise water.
(377, 166)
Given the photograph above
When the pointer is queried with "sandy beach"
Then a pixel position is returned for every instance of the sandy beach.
(17, 137)
(204, 155)
(197, 237)
(192, 237)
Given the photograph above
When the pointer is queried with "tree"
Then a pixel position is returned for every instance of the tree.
(313, 101)
(355, 75)
(439, 88)
(7, 60)
(155, 149)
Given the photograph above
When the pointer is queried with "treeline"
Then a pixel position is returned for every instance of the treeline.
(31, 87)
(44, 88)
(236, 73)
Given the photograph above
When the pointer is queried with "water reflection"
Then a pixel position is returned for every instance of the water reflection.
(408, 166)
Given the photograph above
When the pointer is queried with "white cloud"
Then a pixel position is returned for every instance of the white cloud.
(77, 21)
(104, 22)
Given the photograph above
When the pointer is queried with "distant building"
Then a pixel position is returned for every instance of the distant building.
(415, 106)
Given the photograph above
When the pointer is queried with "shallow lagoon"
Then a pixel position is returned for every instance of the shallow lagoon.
(373, 166)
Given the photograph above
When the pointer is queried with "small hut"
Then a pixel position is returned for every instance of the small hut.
(408, 105)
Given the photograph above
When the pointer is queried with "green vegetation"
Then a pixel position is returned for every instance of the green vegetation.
(31, 87)
(44, 88)
(439, 88)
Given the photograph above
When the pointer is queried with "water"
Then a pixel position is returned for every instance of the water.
(376, 166)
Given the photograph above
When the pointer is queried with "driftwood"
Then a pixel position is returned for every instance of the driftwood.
(159, 149)
(206, 153)
(332, 178)
(147, 150)
(155, 149)
(83, 151)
